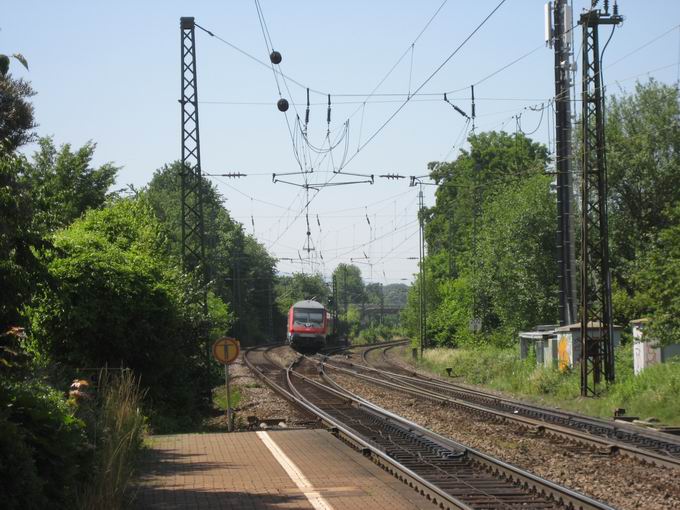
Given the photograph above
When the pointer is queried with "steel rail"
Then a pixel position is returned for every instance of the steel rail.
(560, 495)
(574, 427)
(343, 402)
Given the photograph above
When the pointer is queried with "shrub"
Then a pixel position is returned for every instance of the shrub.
(46, 440)
(20, 487)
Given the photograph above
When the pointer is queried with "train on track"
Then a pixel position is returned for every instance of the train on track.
(308, 326)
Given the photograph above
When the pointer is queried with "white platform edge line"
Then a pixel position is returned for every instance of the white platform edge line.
(315, 499)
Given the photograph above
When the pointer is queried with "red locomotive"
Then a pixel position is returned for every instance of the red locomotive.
(307, 325)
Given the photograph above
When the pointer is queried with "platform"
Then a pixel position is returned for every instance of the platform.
(291, 469)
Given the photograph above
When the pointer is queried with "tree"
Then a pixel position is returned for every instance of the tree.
(490, 240)
(239, 269)
(63, 184)
(19, 268)
(658, 281)
(350, 284)
(395, 294)
(643, 143)
(517, 266)
(116, 299)
(16, 112)
(297, 287)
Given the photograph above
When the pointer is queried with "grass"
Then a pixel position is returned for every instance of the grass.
(220, 397)
(653, 393)
(119, 428)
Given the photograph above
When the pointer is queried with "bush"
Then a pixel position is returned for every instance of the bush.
(20, 487)
(374, 334)
(117, 299)
(45, 440)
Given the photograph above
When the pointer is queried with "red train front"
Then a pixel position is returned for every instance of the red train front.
(307, 325)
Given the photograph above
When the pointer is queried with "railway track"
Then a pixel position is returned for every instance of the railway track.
(447, 473)
(646, 446)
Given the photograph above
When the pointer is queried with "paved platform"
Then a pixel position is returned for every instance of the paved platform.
(291, 469)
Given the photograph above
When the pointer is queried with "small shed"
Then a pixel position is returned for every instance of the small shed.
(568, 342)
(647, 352)
(540, 339)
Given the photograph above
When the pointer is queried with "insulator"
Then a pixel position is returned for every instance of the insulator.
(275, 57)
(328, 116)
(307, 111)
(282, 105)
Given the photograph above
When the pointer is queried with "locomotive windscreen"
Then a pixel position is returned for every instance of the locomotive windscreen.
(304, 316)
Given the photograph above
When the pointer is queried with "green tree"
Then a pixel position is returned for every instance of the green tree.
(19, 268)
(490, 238)
(117, 299)
(63, 184)
(16, 112)
(643, 144)
(297, 287)
(658, 282)
(239, 269)
(350, 284)
(517, 266)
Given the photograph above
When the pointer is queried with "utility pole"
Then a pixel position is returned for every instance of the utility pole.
(270, 314)
(336, 304)
(193, 232)
(345, 298)
(597, 352)
(560, 37)
(423, 301)
(382, 303)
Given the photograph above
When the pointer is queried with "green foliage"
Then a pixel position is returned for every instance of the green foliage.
(47, 442)
(350, 284)
(63, 184)
(16, 113)
(652, 393)
(643, 156)
(643, 136)
(117, 300)
(658, 279)
(490, 240)
(517, 266)
(19, 268)
(297, 287)
(239, 268)
(21, 488)
(376, 333)
(220, 397)
(395, 294)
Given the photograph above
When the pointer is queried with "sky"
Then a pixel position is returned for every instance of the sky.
(110, 73)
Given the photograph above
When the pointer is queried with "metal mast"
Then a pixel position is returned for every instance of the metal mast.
(423, 290)
(565, 248)
(193, 236)
(597, 353)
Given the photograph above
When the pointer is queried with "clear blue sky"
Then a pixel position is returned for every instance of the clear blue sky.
(110, 73)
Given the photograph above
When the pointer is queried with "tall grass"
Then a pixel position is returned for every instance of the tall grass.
(118, 431)
(653, 393)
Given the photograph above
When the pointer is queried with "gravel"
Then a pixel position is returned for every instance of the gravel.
(260, 406)
(619, 481)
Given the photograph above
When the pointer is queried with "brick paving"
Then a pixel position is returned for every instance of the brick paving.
(237, 471)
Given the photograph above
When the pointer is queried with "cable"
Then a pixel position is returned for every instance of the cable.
(425, 82)
(643, 46)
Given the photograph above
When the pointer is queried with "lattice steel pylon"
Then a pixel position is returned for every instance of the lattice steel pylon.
(597, 352)
(193, 235)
